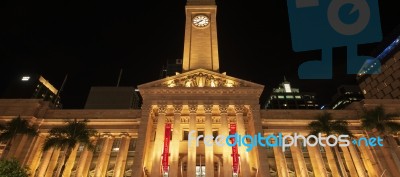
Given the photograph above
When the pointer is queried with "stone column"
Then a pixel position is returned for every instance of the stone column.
(332, 162)
(349, 162)
(18, 151)
(369, 160)
(263, 168)
(44, 162)
(388, 157)
(209, 150)
(14, 145)
(317, 161)
(159, 141)
(82, 169)
(281, 164)
(191, 164)
(340, 161)
(104, 156)
(34, 158)
(53, 163)
(379, 156)
(227, 151)
(298, 160)
(241, 130)
(394, 146)
(29, 150)
(142, 142)
(70, 162)
(357, 161)
(122, 156)
(176, 139)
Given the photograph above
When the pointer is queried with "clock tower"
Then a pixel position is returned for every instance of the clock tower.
(201, 44)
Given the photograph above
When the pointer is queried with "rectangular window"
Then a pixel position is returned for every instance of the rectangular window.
(116, 144)
(281, 97)
(298, 97)
(132, 145)
(99, 145)
(185, 135)
(215, 133)
(200, 133)
(289, 97)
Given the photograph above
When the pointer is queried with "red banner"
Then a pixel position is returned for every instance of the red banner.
(235, 153)
(167, 139)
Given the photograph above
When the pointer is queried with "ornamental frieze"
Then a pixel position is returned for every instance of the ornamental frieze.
(202, 80)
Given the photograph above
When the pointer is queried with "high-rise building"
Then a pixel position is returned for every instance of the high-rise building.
(32, 86)
(113, 98)
(172, 135)
(386, 84)
(346, 94)
(286, 97)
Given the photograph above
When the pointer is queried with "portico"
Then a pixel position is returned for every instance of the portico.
(205, 102)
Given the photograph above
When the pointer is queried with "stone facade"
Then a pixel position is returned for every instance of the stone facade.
(130, 141)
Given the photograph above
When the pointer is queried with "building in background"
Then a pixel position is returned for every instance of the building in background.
(32, 86)
(346, 94)
(386, 84)
(113, 98)
(286, 97)
(172, 68)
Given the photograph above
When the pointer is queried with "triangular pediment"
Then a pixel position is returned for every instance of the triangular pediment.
(200, 78)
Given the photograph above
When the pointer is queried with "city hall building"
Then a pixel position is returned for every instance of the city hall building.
(160, 138)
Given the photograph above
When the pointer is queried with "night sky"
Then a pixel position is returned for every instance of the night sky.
(93, 40)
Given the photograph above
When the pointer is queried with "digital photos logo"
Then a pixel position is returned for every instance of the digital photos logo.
(325, 24)
(278, 140)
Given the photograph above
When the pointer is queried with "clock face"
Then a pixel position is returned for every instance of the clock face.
(200, 21)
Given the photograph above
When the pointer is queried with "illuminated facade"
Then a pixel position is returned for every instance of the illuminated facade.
(131, 142)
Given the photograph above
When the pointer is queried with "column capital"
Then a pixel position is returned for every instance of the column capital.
(193, 108)
(223, 108)
(208, 108)
(124, 135)
(162, 108)
(239, 109)
(106, 135)
(178, 108)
